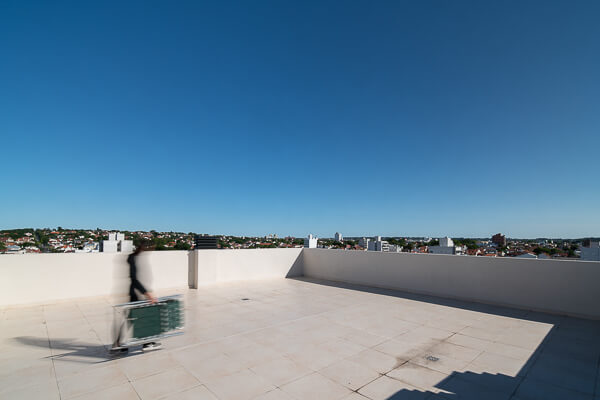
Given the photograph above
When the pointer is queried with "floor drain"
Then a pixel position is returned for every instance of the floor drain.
(431, 358)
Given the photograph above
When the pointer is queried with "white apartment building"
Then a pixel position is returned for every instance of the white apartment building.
(338, 237)
(310, 242)
(446, 246)
(377, 244)
(116, 243)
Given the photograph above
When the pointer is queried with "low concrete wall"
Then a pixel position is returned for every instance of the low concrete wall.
(43, 278)
(234, 265)
(564, 287)
(37, 278)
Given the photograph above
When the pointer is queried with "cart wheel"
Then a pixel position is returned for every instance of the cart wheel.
(118, 352)
(151, 346)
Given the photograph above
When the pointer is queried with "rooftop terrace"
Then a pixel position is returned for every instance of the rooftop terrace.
(303, 338)
(306, 324)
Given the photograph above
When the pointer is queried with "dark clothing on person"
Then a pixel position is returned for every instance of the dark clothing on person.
(135, 283)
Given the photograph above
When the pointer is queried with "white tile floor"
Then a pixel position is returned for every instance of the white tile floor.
(304, 339)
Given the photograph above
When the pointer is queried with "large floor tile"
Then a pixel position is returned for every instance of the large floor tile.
(91, 381)
(377, 360)
(281, 370)
(418, 376)
(164, 383)
(31, 375)
(142, 365)
(242, 385)
(124, 391)
(46, 390)
(350, 374)
(195, 393)
(315, 386)
(385, 388)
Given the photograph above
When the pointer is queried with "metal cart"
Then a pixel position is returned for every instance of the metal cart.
(142, 322)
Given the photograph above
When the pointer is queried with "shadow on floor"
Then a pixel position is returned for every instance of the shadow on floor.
(72, 350)
(564, 366)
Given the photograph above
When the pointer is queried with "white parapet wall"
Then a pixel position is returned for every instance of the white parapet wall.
(565, 287)
(44, 278)
(47, 278)
(213, 266)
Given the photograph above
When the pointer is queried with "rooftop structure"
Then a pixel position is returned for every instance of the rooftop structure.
(253, 334)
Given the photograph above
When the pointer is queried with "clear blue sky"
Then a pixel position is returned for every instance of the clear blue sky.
(461, 118)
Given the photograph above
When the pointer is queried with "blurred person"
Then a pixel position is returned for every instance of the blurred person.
(134, 287)
(133, 270)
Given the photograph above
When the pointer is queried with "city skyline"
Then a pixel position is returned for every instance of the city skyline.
(284, 235)
(460, 119)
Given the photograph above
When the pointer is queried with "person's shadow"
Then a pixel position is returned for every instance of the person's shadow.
(70, 349)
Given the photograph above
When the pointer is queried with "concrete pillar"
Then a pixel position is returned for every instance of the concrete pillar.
(193, 269)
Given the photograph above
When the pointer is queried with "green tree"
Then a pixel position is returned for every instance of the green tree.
(181, 245)
(470, 243)
(397, 242)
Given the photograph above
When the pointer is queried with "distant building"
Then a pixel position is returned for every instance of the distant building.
(338, 237)
(310, 242)
(499, 239)
(377, 244)
(441, 250)
(446, 246)
(460, 250)
(446, 242)
(590, 251)
(116, 243)
(364, 243)
(392, 248)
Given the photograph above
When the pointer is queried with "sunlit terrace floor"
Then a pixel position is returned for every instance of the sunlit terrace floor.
(304, 339)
